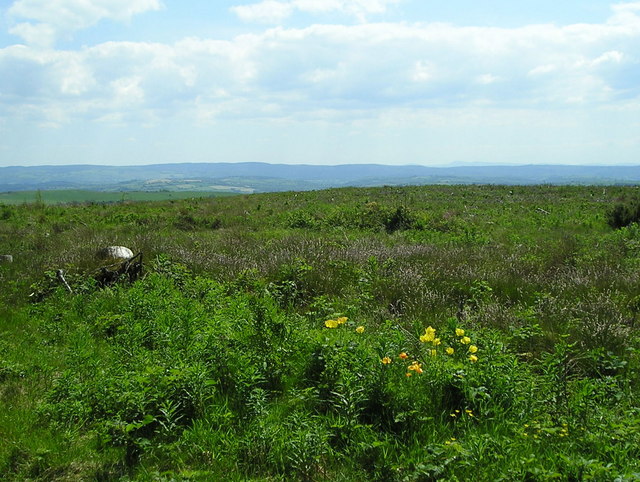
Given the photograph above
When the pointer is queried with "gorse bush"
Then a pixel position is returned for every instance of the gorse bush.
(436, 333)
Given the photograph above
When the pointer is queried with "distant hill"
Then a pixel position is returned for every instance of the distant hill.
(261, 177)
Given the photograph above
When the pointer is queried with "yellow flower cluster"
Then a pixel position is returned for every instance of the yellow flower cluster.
(538, 429)
(429, 336)
(414, 367)
(337, 322)
(457, 413)
(465, 340)
(331, 324)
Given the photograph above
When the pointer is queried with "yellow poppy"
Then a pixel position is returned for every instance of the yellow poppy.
(331, 324)
(429, 335)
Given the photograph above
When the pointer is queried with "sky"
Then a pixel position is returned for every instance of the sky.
(125, 82)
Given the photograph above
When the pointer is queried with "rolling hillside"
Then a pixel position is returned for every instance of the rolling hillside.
(261, 177)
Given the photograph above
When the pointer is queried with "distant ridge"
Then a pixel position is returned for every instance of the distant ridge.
(263, 177)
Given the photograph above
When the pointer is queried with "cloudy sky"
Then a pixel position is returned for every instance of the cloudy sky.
(319, 81)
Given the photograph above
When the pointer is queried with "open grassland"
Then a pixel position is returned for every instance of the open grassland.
(417, 333)
(66, 196)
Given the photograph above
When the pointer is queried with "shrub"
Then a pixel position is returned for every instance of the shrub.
(400, 220)
(301, 219)
(622, 215)
(6, 212)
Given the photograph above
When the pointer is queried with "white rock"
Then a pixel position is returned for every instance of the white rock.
(115, 252)
(6, 258)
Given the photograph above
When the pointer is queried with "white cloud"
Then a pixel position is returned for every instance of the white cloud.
(318, 76)
(40, 34)
(326, 72)
(487, 79)
(275, 11)
(268, 11)
(626, 14)
(127, 90)
(48, 20)
(612, 56)
(542, 69)
(75, 78)
(422, 71)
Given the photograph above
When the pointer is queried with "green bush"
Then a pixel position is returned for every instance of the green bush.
(622, 215)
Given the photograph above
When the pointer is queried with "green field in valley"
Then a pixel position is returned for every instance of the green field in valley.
(64, 196)
(395, 334)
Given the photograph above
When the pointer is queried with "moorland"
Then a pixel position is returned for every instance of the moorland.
(393, 333)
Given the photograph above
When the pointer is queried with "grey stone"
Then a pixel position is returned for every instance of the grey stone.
(115, 252)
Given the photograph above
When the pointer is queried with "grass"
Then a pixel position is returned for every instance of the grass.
(290, 337)
(64, 196)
